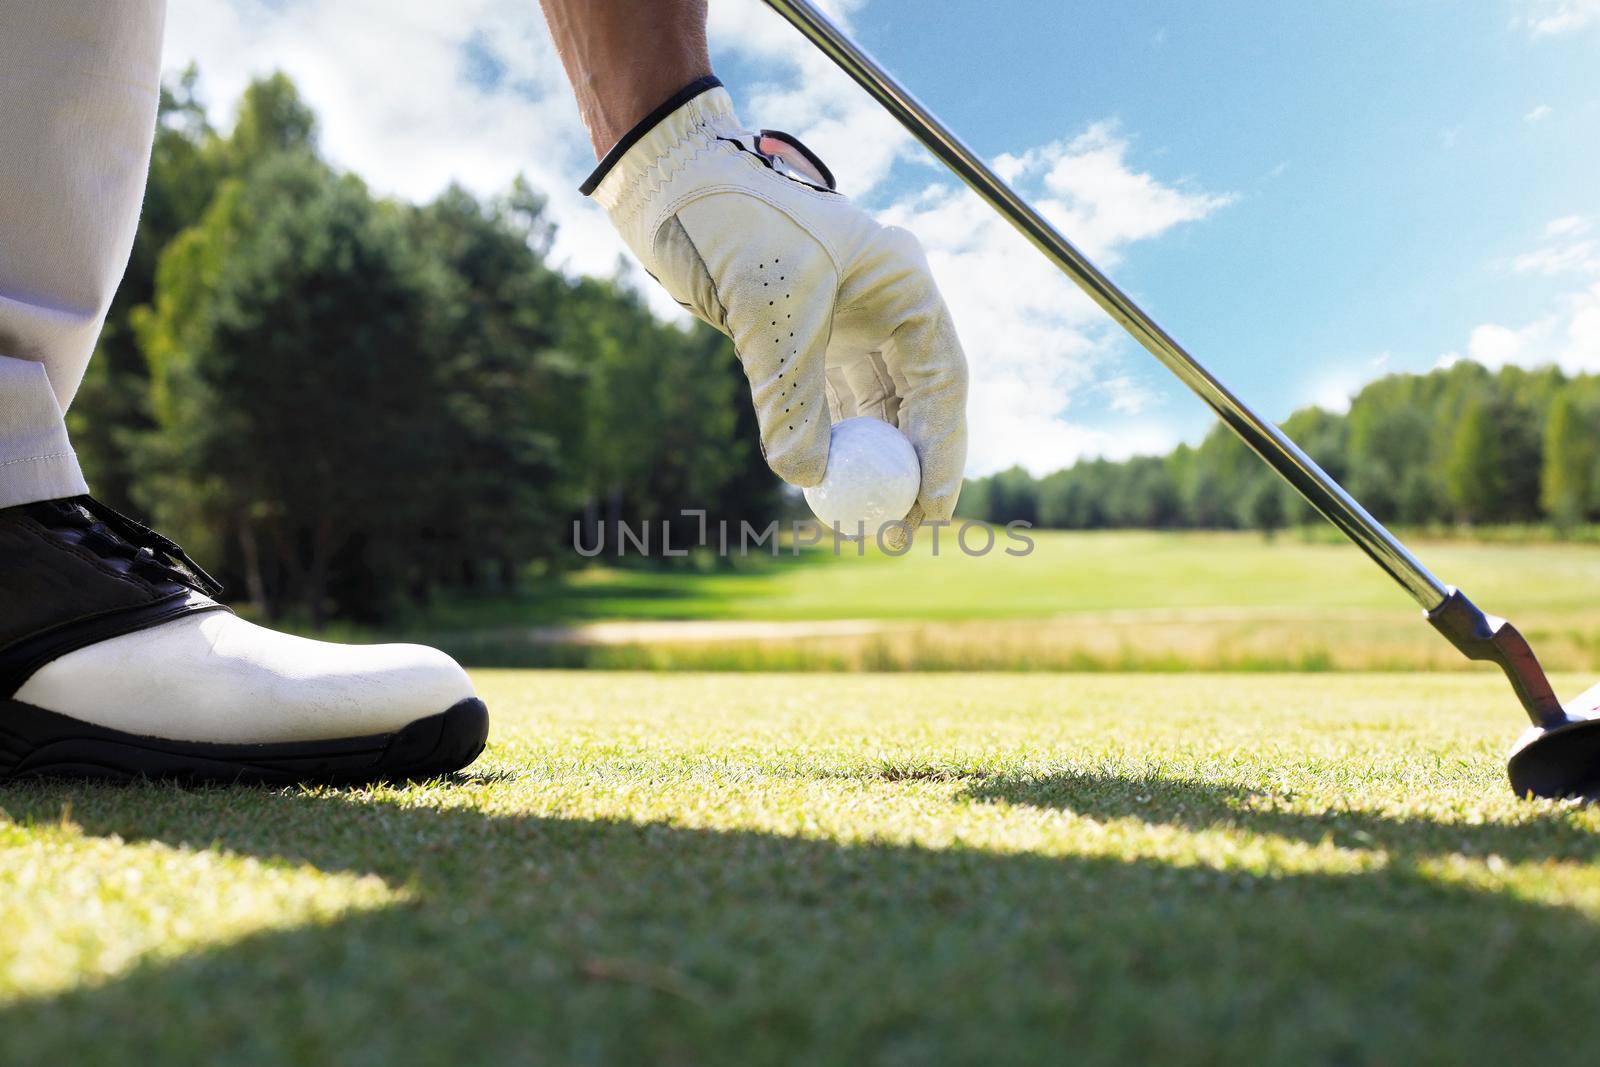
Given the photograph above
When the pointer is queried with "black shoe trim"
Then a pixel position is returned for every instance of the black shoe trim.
(20, 659)
(35, 743)
(143, 548)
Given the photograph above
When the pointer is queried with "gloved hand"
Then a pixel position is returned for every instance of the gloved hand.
(833, 315)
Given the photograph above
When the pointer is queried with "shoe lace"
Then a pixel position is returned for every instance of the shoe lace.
(112, 535)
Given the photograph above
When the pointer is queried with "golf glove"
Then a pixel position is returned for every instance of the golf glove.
(833, 315)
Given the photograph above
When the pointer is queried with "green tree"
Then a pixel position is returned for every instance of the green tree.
(1325, 437)
(1013, 497)
(668, 420)
(272, 120)
(1475, 475)
(1571, 458)
(296, 382)
(1522, 400)
(1391, 432)
(1220, 477)
(1265, 508)
(511, 397)
(974, 502)
(1142, 494)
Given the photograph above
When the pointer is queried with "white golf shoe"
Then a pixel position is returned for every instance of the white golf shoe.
(115, 661)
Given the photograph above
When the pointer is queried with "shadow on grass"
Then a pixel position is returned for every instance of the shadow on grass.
(608, 591)
(564, 940)
(553, 602)
(1192, 805)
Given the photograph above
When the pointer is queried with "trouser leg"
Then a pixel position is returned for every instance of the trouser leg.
(79, 88)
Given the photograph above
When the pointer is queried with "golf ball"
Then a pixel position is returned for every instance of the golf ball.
(872, 477)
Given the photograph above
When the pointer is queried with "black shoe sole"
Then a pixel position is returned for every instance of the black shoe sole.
(35, 743)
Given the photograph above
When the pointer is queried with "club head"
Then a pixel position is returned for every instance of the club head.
(1563, 760)
(1559, 755)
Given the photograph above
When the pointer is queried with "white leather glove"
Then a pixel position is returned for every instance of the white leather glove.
(833, 315)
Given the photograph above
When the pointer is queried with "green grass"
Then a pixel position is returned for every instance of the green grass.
(1081, 601)
(1067, 573)
(873, 868)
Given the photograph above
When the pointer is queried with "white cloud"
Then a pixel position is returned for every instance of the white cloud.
(1560, 258)
(1568, 337)
(1040, 351)
(1126, 394)
(1102, 202)
(1568, 334)
(806, 94)
(1541, 112)
(389, 82)
(1343, 379)
(1566, 250)
(1547, 18)
(1495, 346)
(1566, 226)
(386, 80)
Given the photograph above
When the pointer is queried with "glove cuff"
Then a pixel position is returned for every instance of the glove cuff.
(662, 141)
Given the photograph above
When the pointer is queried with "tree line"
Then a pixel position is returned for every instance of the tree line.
(1460, 444)
(343, 403)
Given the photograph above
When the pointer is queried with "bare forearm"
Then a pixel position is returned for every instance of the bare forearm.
(624, 57)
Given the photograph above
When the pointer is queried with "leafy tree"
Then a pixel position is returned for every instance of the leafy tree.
(974, 503)
(293, 363)
(668, 421)
(1264, 509)
(273, 120)
(1508, 446)
(1390, 429)
(1013, 497)
(1220, 477)
(1522, 399)
(1571, 457)
(1325, 437)
(510, 396)
(1475, 475)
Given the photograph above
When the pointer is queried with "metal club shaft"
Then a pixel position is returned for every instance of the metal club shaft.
(1269, 442)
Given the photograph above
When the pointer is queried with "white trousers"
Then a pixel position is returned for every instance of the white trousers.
(80, 81)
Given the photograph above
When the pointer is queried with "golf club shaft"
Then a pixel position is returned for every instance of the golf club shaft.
(1282, 454)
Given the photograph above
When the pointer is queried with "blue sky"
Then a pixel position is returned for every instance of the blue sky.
(1306, 195)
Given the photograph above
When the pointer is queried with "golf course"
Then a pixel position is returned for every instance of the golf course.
(1077, 601)
(799, 533)
(900, 865)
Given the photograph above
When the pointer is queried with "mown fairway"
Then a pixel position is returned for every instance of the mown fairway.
(874, 868)
(1122, 600)
(1076, 572)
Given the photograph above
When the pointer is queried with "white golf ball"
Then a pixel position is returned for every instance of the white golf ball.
(872, 477)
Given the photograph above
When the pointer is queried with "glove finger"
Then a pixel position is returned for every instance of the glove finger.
(870, 385)
(776, 287)
(924, 361)
(925, 354)
(841, 400)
